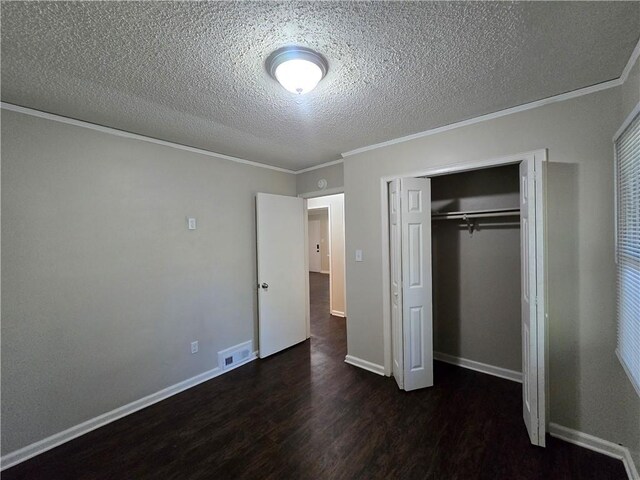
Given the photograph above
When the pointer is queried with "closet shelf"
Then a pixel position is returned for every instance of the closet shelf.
(499, 212)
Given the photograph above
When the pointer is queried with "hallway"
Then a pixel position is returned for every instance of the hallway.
(305, 414)
(328, 332)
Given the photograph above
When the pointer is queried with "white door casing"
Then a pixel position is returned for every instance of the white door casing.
(395, 264)
(315, 259)
(532, 403)
(282, 272)
(417, 312)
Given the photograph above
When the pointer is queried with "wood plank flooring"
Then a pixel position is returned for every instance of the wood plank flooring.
(305, 414)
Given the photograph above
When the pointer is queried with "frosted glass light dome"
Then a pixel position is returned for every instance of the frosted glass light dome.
(297, 69)
(298, 75)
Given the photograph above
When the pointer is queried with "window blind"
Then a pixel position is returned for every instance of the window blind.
(627, 148)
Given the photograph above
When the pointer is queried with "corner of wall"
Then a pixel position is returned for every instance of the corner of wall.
(307, 182)
(631, 89)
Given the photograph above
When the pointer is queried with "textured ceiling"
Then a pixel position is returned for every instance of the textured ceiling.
(193, 73)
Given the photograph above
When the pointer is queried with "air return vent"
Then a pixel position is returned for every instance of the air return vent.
(235, 356)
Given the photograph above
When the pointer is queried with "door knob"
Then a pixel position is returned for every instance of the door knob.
(265, 285)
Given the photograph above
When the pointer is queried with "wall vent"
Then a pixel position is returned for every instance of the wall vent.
(235, 356)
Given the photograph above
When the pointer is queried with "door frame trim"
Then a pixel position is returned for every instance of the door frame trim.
(322, 193)
(539, 157)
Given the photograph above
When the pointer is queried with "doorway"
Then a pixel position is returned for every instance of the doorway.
(319, 243)
(409, 277)
(326, 247)
(319, 268)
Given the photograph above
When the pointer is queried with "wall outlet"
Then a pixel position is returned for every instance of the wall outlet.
(194, 347)
(191, 221)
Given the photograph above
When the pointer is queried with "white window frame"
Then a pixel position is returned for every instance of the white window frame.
(630, 118)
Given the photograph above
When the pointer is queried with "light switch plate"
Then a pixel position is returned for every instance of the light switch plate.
(358, 255)
(192, 223)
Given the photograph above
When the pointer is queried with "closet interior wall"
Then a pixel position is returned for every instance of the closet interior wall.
(476, 276)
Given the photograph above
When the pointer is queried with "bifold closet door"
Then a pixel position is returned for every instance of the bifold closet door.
(395, 260)
(532, 392)
(417, 313)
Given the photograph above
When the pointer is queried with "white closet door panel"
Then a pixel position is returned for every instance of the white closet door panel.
(416, 352)
(395, 256)
(529, 308)
(415, 208)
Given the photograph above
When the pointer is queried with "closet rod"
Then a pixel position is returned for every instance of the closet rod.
(511, 212)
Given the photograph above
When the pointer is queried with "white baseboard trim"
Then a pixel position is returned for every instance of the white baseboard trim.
(479, 367)
(597, 445)
(337, 313)
(41, 446)
(358, 362)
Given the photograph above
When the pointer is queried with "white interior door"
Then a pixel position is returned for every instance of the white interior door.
(395, 257)
(417, 314)
(532, 407)
(315, 259)
(280, 226)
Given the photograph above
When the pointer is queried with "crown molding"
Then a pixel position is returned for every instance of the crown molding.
(520, 108)
(635, 54)
(135, 136)
(322, 165)
(489, 116)
(632, 60)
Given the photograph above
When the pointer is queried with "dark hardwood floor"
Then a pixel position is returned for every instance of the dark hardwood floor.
(305, 414)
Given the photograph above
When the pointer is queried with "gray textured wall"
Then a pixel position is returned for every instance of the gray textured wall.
(103, 286)
(308, 182)
(589, 390)
(470, 320)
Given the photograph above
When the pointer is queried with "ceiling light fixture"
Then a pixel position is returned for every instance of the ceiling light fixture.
(297, 69)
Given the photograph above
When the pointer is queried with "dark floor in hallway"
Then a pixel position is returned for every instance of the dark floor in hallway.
(305, 414)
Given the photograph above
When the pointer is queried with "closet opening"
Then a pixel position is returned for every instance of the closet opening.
(466, 278)
(475, 245)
